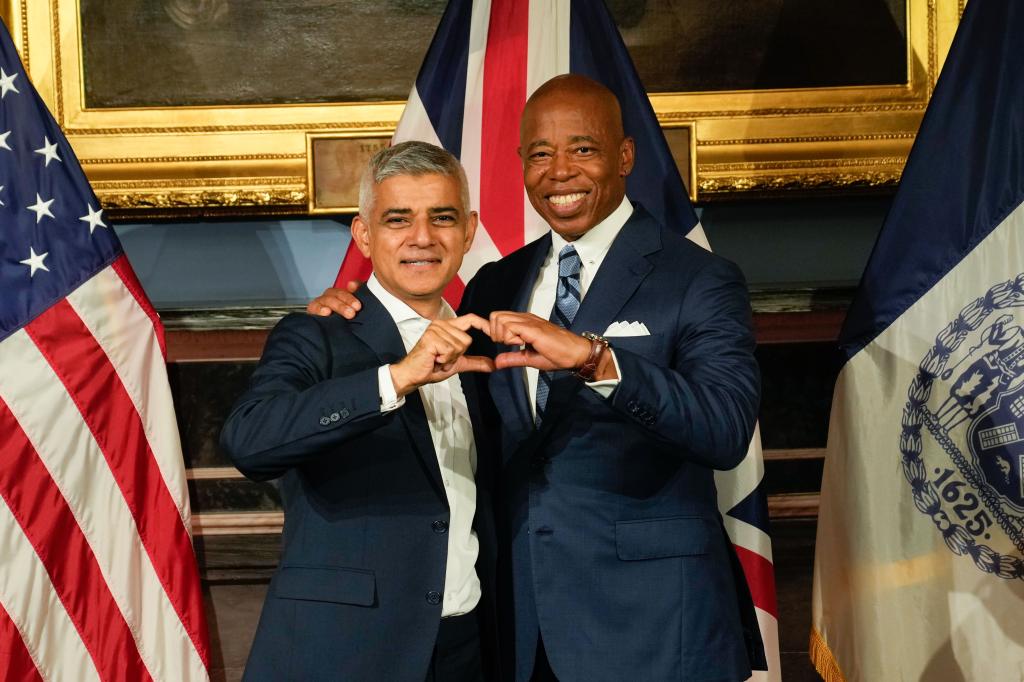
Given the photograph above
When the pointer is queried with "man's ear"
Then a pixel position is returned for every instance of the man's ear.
(626, 156)
(361, 235)
(470, 230)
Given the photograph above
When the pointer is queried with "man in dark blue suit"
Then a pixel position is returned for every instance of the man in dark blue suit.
(627, 377)
(388, 560)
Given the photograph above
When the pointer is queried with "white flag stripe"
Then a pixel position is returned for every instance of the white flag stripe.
(547, 56)
(38, 400)
(548, 50)
(770, 636)
(415, 124)
(483, 251)
(737, 483)
(749, 537)
(125, 333)
(31, 601)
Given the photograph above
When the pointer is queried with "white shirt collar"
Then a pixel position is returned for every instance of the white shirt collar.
(398, 309)
(593, 245)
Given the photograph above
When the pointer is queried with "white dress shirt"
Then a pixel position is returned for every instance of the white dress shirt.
(592, 247)
(452, 434)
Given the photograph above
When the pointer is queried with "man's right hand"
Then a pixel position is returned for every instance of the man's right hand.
(340, 301)
(440, 353)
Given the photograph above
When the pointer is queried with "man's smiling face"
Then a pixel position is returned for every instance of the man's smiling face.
(416, 233)
(575, 158)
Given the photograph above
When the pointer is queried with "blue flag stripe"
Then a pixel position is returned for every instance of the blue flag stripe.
(441, 83)
(655, 182)
(964, 174)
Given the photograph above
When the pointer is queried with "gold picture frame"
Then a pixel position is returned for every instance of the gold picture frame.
(334, 162)
(256, 159)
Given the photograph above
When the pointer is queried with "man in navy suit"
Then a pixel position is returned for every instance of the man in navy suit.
(387, 568)
(627, 377)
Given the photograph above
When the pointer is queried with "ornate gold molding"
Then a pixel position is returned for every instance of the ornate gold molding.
(895, 161)
(364, 126)
(202, 199)
(764, 183)
(670, 116)
(803, 139)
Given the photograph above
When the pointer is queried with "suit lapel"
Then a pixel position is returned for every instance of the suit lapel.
(375, 327)
(622, 271)
(508, 387)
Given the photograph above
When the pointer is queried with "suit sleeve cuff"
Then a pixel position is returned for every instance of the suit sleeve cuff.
(607, 387)
(389, 400)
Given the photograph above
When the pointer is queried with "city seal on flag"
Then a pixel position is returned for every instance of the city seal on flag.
(962, 439)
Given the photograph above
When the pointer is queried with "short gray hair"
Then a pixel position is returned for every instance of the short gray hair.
(410, 158)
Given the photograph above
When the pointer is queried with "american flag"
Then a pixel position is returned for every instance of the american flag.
(98, 578)
(486, 58)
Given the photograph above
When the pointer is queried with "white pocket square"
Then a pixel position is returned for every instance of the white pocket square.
(626, 329)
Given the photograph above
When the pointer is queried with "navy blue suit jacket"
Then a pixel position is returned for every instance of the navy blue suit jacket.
(357, 594)
(618, 554)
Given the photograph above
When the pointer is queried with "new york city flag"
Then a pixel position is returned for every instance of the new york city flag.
(919, 570)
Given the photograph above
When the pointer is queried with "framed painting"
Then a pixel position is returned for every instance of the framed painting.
(179, 107)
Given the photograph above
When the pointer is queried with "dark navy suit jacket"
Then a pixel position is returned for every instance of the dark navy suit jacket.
(618, 554)
(357, 595)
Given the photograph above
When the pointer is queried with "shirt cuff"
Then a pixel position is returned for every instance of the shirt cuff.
(389, 400)
(606, 387)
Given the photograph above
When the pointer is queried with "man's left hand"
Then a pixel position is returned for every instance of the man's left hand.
(547, 346)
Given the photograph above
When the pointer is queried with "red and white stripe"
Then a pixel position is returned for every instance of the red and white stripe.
(753, 547)
(98, 573)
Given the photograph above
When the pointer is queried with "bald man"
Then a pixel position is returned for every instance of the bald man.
(626, 378)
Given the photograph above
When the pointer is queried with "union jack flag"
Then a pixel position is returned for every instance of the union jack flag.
(98, 579)
(486, 58)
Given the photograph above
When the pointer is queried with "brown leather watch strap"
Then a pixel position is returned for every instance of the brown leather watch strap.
(598, 345)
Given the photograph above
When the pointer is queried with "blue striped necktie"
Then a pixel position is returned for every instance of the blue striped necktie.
(567, 303)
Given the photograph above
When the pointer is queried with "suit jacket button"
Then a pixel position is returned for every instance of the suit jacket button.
(433, 597)
(344, 414)
(439, 526)
(325, 421)
(335, 416)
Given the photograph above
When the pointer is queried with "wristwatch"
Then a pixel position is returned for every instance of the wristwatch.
(598, 345)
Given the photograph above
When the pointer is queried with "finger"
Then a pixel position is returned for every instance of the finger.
(471, 321)
(510, 339)
(443, 350)
(501, 321)
(454, 340)
(336, 300)
(522, 358)
(474, 363)
(353, 286)
(497, 320)
(515, 334)
(454, 333)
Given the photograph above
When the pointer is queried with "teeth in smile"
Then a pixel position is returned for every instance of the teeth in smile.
(566, 199)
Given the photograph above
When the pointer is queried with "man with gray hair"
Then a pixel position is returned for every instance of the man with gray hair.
(388, 557)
